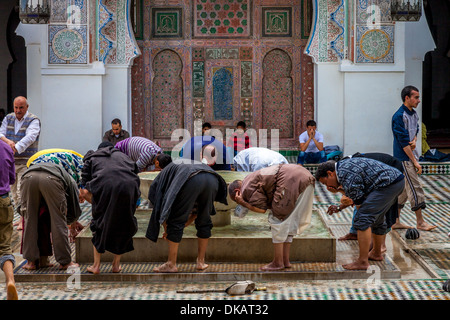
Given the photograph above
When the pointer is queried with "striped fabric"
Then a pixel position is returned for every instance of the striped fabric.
(141, 150)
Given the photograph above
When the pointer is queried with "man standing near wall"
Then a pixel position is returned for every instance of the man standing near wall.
(405, 127)
(20, 130)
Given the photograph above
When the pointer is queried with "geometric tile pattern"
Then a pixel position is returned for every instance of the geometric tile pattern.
(276, 22)
(435, 168)
(375, 45)
(326, 43)
(115, 41)
(202, 53)
(222, 18)
(67, 45)
(167, 88)
(277, 93)
(68, 36)
(282, 290)
(167, 23)
(374, 32)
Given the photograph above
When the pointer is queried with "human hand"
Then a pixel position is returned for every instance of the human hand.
(418, 167)
(346, 201)
(238, 197)
(333, 209)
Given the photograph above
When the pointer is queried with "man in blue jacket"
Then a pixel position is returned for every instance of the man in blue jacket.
(405, 127)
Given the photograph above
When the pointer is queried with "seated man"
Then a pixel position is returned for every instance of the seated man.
(141, 150)
(288, 191)
(374, 188)
(111, 182)
(311, 145)
(206, 127)
(239, 140)
(49, 183)
(116, 133)
(253, 159)
(174, 193)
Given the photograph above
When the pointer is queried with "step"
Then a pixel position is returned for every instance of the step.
(245, 239)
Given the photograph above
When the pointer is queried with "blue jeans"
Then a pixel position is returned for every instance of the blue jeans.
(311, 157)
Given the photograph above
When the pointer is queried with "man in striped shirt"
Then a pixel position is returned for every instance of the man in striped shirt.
(141, 150)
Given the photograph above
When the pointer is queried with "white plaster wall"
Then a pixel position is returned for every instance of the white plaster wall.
(33, 35)
(370, 101)
(72, 113)
(329, 102)
(355, 102)
(415, 51)
(116, 97)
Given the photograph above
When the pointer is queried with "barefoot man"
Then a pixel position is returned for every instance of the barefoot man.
(405, 127)
(176, 191)
(346, 201)
(374, 188)
(51, 184)
(110, 182)
(288, 191)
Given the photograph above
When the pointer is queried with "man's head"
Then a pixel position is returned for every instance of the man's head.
(162, 160)
(20, 107)
(105, 144)
(241, 125)
(209, 153)
(410, 97)
(205, 128)
(116, 126)
(326, 174)
(311, 124)
(233, 188)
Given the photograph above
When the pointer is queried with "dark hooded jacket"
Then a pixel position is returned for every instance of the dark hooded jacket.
(165, 188)
(112, 178)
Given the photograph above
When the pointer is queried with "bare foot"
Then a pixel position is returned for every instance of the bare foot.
(116, 269)
(201, 265)
(29, 266)
(44, 262)
(166, 267)
(287, 264)
(357, 265)
(425, 226)
(375, 257)
(11, 292)
(349, 236)
(66, 266)
(272, 267)
(399, 225)
(94, 270)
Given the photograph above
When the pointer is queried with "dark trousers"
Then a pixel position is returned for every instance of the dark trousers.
(200, 191)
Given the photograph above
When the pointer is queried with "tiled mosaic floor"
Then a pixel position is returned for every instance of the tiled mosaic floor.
(292, 290)
(432, 246)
